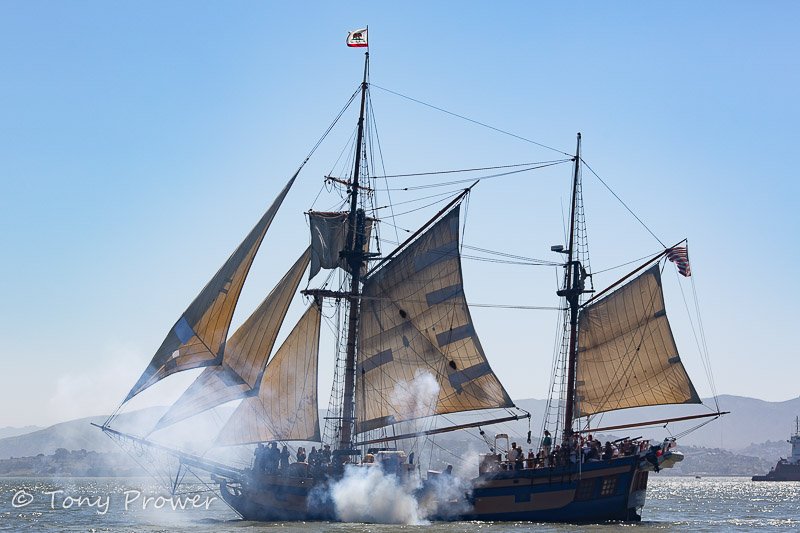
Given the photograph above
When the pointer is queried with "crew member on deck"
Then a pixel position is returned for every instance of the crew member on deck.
(272, 457)
(326, 453)
(284, 458)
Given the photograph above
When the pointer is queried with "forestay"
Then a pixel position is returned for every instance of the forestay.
(198, 337)
(245, 356)
(285, 407)
(627, 355)
(419, 354)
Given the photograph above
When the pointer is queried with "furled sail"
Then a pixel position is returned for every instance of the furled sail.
(285, 407)
(328, 238)
(419, 354)
(245, 355)
(198, 337)
(627, 355)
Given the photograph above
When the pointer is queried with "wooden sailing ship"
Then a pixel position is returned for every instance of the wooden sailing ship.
(407, 320)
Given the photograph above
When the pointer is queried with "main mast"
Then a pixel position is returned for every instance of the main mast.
(354, 254)
(573, 288)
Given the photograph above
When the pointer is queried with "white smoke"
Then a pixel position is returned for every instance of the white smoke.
(368, 494)
(417, 398)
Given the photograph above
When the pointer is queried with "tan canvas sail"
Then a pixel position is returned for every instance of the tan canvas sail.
(627, 356)
(245, 356)
(198, 337)
(285, 407)
(419, 354)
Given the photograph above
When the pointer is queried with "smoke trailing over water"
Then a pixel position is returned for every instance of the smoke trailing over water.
(371, 495)
(368, 494)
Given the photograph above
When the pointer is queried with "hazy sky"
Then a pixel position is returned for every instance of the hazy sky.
(140, 141)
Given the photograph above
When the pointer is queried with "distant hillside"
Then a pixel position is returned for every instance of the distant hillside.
(13, 432)
(751, 423)
(717, 462)
(73, 435)
(78, 463)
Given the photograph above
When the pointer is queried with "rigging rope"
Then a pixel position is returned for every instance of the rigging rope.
(623, 203)
(504, 132)
(470, 180)
(476, 169)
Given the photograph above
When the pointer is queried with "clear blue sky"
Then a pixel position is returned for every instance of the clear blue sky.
(140, 141)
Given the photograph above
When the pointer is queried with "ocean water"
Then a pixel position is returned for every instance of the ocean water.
(673, 504)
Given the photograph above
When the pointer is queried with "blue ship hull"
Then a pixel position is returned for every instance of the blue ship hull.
(591, 492)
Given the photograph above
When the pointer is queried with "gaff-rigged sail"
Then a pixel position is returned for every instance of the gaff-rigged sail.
(419, 354)
(245, 355)
(198, 337)
(285, 407)
(328, 238)
(627, 355)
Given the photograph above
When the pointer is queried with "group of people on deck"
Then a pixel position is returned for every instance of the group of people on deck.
(272, 461)
(573, 450)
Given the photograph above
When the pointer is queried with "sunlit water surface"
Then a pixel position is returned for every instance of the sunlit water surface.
(680, 504)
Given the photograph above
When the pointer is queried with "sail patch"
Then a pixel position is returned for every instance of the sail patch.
(444, 294)
(436, 255)
(380, 358)
(455, 334)
(457, 379)
(183, 330)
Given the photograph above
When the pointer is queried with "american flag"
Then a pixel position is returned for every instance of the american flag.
(680, 256)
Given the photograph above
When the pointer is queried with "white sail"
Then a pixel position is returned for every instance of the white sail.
(198, 337)
(285, 407)
(245, 356)
(627, 356)
(419, 354)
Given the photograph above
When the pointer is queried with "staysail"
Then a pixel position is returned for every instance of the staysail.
(245, 355)
(419, 354)
(198, 337)
(329, 237)
(627, 355)
(285, 407)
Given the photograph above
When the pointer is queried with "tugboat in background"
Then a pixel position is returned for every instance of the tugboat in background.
(786, 469)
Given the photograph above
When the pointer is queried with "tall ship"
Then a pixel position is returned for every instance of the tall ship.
(408, 361)
(786, 469)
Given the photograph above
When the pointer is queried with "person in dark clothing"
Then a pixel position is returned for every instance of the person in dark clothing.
(608, 452)
(313, 456)
(326, 454)
(284, 458)
(258, 458)
(272, 457)
(301, 455)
